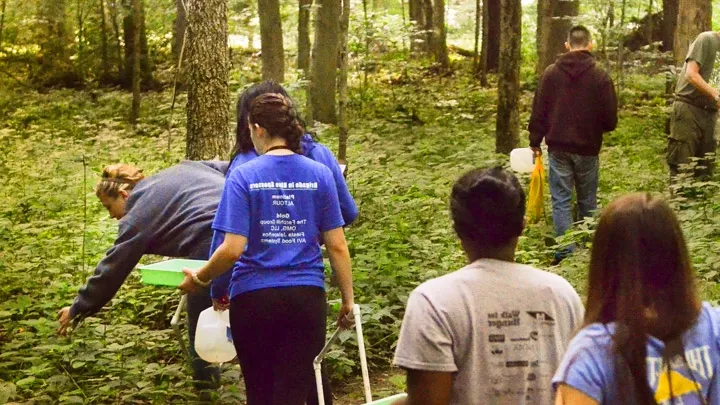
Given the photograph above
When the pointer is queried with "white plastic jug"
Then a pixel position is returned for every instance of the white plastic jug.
(522, 160)
(213, 341)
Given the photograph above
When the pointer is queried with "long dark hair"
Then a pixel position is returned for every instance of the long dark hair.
(641, 279)
(276, 114)
(487, 207)
(242, 133)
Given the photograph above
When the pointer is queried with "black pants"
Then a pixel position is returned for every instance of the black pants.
(277, 333)
(205, 375)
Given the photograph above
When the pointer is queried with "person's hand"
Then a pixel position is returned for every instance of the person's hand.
(537, 151)
(188, 285)
(65, 320)
(221, 304)
(345, 317)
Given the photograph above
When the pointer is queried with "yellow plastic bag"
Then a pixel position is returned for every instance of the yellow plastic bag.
(535, 200)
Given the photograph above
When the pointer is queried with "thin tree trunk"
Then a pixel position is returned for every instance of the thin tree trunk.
(493, 10)
(324, 62)
(440, 49)
(2, 20)
(508, 115)
(476, 56)
(402, 8)
(208, 98)
(80, 35)
(116, 31)
(429, 26)
(104, 63)
(694, 17)
(417, 21)
(366, 38)
(670, 18)
(343, 83)
(650, 22)
(484, 45)
(303, 58)
(135, 113)
(271, 41)
(132, 24)
(179, 26)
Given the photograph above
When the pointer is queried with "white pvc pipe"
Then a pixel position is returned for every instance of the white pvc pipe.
(318, 382)
(361, 348)
(175, 321)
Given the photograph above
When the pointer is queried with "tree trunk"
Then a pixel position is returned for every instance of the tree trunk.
(554, 22)
(271, 41)
(343, 83)
(429, 25)
(508, 115)
(116, 31)
(129, 25)
(208, 98)
(492, 8)
(80, 36)
(670, 19)
(2, 20)
(694, 17)
(417, 21)
(135, 112)
(440, 49)
(476, 53)
(621, 56)
(484, 46)
(303, 58)
(324, 61)
(179, 26)
(104, 62)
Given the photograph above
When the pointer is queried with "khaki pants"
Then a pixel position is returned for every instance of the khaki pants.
(692, 135)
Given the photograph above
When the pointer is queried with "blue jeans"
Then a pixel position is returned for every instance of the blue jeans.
(568, 171)
(206, 375)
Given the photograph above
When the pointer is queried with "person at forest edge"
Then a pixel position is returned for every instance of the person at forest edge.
(694, 112)
(574, 105)
(167, 214)
(647, 339)
(494, 331)
(274, 211)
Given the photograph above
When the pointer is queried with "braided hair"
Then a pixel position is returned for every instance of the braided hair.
(277, 115)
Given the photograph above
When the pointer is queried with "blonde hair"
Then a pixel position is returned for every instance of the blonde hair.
(116, 178)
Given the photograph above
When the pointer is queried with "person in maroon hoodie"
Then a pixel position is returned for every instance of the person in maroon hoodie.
(575, 104)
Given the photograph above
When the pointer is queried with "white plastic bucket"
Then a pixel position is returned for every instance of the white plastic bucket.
(213, 341)
(522, 160)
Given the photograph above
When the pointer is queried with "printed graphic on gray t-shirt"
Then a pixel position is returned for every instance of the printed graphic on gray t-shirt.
(501, 328)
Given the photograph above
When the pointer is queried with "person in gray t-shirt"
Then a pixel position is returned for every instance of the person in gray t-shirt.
(494, 331)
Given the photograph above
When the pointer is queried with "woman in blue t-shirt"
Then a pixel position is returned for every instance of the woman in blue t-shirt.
(244, 151)
(647, 338)
(274, 211)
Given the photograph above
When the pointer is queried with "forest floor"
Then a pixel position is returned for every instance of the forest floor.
(412, 135)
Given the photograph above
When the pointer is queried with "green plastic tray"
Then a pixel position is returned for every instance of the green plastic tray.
(168, 272)
(388, 400)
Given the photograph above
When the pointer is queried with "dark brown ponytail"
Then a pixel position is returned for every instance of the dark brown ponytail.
(277, 115)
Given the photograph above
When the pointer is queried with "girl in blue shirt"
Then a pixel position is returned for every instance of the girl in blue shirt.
(244, 151)
(274, 212)
(647, 338)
